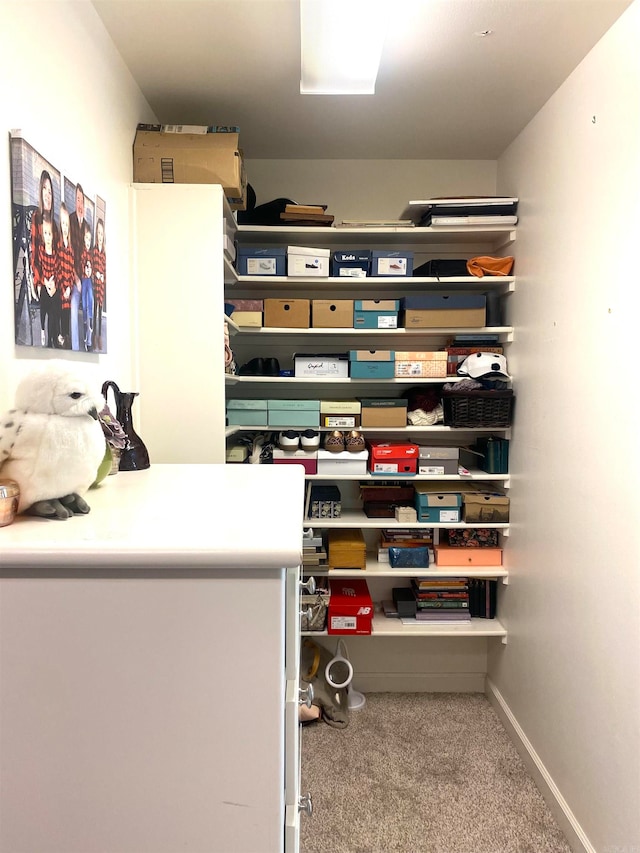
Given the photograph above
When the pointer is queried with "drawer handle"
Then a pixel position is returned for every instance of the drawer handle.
(309, 587)
(306, 696)
(305, 804)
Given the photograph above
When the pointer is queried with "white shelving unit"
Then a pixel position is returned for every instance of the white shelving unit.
(282, 342)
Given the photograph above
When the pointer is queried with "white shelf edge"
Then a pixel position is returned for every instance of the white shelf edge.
(345, 332)
(329, 380)
(233, 429)
(383, 570)
(505, 283)
(384, 627)
(377, 478)
(354, 518)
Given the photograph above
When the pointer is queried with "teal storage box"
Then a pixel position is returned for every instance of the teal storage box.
(391, 263)
(255, 260)
(293, 418)
(247, 412)
(294, 405)
(371, 364)
(437, 507)
(376, 313)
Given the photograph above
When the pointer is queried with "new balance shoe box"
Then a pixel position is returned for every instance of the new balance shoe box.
(307, 458)
(421, 365)
(287, 313)
(438, 460)
(191, 154)
(326, 365)
(351, 264)
(391, 263)
(247, 312)
(350, 607)
(340, 414)
(371, 364)
(346, 549)
(376, 313)
(432, 311)
(308, 262)
(293, 413)
(324, 501)
(255, 260)
(247, 412)
(484, 506)
(395, 459)
(437, 506)
(332, 313)
(390, 412)
(456, 555)
(342, 464)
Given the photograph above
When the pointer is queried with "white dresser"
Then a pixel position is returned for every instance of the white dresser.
(149, 666)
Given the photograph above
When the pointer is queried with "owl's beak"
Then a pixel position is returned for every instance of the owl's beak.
(94, 413)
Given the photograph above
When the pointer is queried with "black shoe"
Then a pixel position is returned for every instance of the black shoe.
(271, 367)
(255, 367)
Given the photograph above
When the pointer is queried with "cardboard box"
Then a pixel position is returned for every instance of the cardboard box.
(307, 458)
(350, 607)
(438, 460)
(434, 311)
(332, 313)
(485, 507)
(170, 154)
(371, 364)
(340, 414)
(248, 319)
(287, 313)
(391, 263)
(376, 313)
(258, 260)
(383, 412)
(421, 365)
(353, 264)
(306, 262)
(293, 418)
(396, 459)
(332, 365)
(343, 464)
(294, 405)
(437, 507)
(454, 555)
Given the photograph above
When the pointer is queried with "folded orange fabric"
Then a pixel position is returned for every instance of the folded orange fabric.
(489, 266)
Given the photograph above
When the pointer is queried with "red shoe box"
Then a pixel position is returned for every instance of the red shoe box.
(393, 459)
(350, 607)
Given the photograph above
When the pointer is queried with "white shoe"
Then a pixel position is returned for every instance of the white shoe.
(289, 440)
(310, 439)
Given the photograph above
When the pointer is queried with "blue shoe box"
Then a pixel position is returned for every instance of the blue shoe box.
(376, 313)
(254, 260)
(371, 364)
(437, 507)
(355, 263)
(391, 263)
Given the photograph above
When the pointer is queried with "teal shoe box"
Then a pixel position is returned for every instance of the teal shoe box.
(437, 507)
(294, 405)
(293, 418)
(376, 313)
(247, 412)
(371, 364)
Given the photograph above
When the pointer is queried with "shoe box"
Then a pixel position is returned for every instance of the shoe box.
(247, 312)
(340, 414)
(485, 506)
(392, 263)
(434, 310)
(376, 313)
(436, 505)
(350, 606)
(293, 413)
(438, 460)
(421, 365)
(307, 458)
(287, 313)
(383, 412)
(247, 412)
(447, 554)
(352, 264)
(328, 365)
(304, 262)
(324, 501)
(372, 364)
(332, 313)
(397, 459)
(343, 463)
(254, 260)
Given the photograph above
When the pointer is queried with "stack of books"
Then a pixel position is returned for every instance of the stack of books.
(314, 554)
(405, 537)
(306, 214)
(441, 599)
(469, 210)
(461, 346)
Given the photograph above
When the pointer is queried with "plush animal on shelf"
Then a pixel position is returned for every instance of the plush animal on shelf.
(52, 443)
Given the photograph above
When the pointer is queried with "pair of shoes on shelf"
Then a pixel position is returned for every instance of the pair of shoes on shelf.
(260, 367)
(337, 441)
(292, 440)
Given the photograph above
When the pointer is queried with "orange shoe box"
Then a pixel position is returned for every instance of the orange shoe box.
(456, 555)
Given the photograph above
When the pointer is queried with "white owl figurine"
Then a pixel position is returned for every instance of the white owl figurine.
(52, 443)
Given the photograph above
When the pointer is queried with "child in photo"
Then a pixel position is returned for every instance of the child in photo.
(99, 283)
(65, 277)
(86, 286)
(49, 298)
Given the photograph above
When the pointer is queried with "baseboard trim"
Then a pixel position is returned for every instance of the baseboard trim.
(416, 682)
(565, 818)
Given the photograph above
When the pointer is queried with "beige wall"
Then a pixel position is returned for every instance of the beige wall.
(570, 673)
(65, 86)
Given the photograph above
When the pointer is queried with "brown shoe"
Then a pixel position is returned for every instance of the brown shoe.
(354, 441)
(334, 441)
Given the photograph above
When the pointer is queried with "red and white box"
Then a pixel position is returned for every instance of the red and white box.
(386, 458)
(350, 607)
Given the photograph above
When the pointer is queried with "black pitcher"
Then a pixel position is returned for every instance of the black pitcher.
(135, 456)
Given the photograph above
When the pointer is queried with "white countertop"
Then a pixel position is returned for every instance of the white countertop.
(172, 516)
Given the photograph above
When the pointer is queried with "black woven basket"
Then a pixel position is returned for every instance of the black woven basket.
(478, 408)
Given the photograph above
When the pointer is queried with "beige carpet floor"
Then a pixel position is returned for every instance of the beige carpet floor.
(421, 772)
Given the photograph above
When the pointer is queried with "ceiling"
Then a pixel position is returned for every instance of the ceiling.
(443, 92)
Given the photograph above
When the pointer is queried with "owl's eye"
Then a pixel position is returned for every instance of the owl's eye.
(75, 395)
